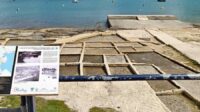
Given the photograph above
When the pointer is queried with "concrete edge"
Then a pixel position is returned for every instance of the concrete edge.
(171, 17)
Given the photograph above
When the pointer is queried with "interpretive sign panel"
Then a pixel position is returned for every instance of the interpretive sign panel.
(35, 70)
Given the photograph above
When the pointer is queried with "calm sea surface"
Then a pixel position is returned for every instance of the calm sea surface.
(87, 13)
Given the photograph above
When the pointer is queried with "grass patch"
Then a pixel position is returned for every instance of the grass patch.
(98, 109)
(51, 106)
(10, 101)
(42, 105)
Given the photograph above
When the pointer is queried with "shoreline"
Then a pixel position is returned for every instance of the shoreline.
(111, 39)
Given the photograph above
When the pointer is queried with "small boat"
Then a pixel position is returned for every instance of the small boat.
(161, 0)
(75, 1)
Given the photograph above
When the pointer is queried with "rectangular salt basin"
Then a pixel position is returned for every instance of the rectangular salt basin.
(100, 51)
(121, 70)
(93, 59)
(69, 70)
(116, 59)
(71, 50)
(94, 70)
(125, 44)
(126, 49)
(73, 45)
(69, 58)
(146, 69)
(95, 44)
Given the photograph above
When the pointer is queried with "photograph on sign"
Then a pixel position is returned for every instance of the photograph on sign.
(29, 57)
(35, 67)
(27, 73)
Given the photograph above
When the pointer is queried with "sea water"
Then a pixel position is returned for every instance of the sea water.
(87, 13)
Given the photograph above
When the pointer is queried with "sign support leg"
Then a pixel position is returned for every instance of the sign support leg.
(28, 104)
(30, 101)
(23, 104)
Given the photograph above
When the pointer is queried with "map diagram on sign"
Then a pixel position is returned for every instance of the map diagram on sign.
(7, 56)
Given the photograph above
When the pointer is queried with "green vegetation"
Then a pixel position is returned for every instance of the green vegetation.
(98, 109)
(51, 106)
(42, 105)
(10, 102)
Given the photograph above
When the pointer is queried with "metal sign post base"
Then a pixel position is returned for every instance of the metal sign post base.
(28, 104)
